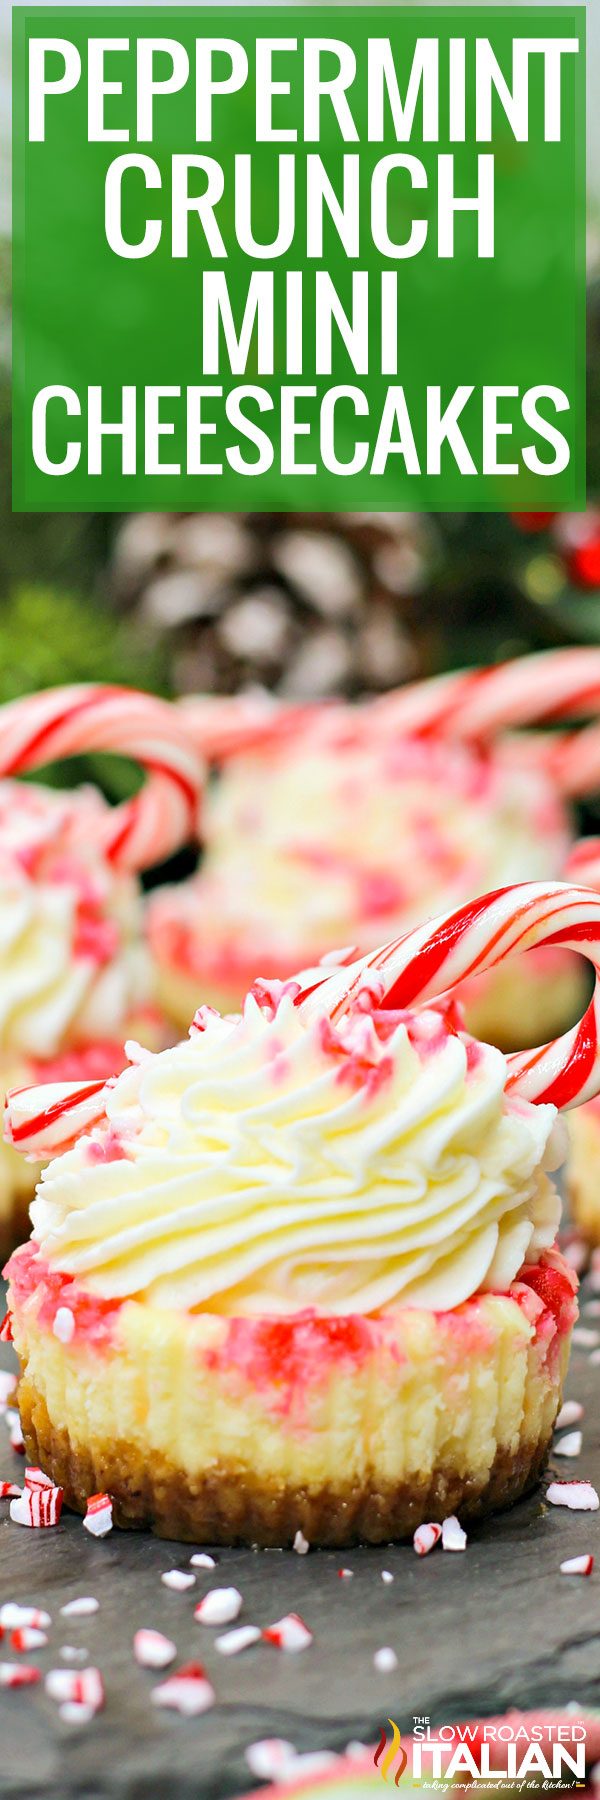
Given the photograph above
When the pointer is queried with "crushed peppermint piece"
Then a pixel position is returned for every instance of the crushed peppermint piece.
(577, 1565)
(18, 1675)
(187, 1691)
(6, 1336)
(152, 1650)
(37, 1507)
(35, 1478)
(233, 1642)
(426, 1537)
(301, 1544)
(219, 1607)
(569, 1445)
(580, 1496)
(12, 1615)
(73, 1712)
(570, 1414)
(385, 1661)
(386, 1576)
(80, 1608)
(289, 1633)
(64, 1324)
(269, 1757)
(68, 1688)
(202, 1561)
(178, 1580)
(99, 1515)
(60, 1685)
(453, 1536)
(9, 1490)
(346, 1574)
(585, 1339)
(27, 1637)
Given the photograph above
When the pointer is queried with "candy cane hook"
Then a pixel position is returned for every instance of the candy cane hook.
(430, 961)
(63, 722)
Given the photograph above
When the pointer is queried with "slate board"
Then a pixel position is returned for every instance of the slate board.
(474, 1634)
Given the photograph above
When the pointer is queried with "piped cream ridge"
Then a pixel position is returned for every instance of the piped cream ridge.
(265, 1167)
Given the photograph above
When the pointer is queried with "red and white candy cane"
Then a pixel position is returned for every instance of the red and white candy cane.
(423, 965)
(472, 705)
(225, 727)
(63, 722)
(479, 704)
(44, 1121)
(430, 961)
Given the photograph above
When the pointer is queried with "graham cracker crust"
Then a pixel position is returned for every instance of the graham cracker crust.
(228, 1505)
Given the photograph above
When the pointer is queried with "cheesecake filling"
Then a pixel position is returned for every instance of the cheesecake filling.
(349, 839)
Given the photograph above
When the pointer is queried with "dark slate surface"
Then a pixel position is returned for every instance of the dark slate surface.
(474, 1633)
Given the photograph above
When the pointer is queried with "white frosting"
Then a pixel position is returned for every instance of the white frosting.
(263, 1167)
(71, 964)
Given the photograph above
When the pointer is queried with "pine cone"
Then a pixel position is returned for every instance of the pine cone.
(303, 604)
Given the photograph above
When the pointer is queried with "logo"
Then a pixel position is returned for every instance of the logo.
(511, 1752)
(392, 1751)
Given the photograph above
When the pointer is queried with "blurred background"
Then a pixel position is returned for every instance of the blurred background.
(301, 605)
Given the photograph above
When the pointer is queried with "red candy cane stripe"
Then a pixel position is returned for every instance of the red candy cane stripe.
(44, 1121)
(433, 959)
(63, 722)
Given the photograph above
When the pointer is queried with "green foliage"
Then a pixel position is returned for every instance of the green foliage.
(48, 638)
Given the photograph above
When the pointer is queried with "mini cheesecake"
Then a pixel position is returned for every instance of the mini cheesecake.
(341, 838)
(247, 1430)
(298, 1277)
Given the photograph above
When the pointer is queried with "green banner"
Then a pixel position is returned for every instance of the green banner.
(312, 259)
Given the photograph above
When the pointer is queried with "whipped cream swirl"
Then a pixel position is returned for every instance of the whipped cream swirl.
(72, 967)
(265, 1166)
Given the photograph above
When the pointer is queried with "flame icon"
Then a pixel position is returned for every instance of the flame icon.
(391, 1751)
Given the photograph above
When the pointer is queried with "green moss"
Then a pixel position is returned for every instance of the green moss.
(48, 638)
